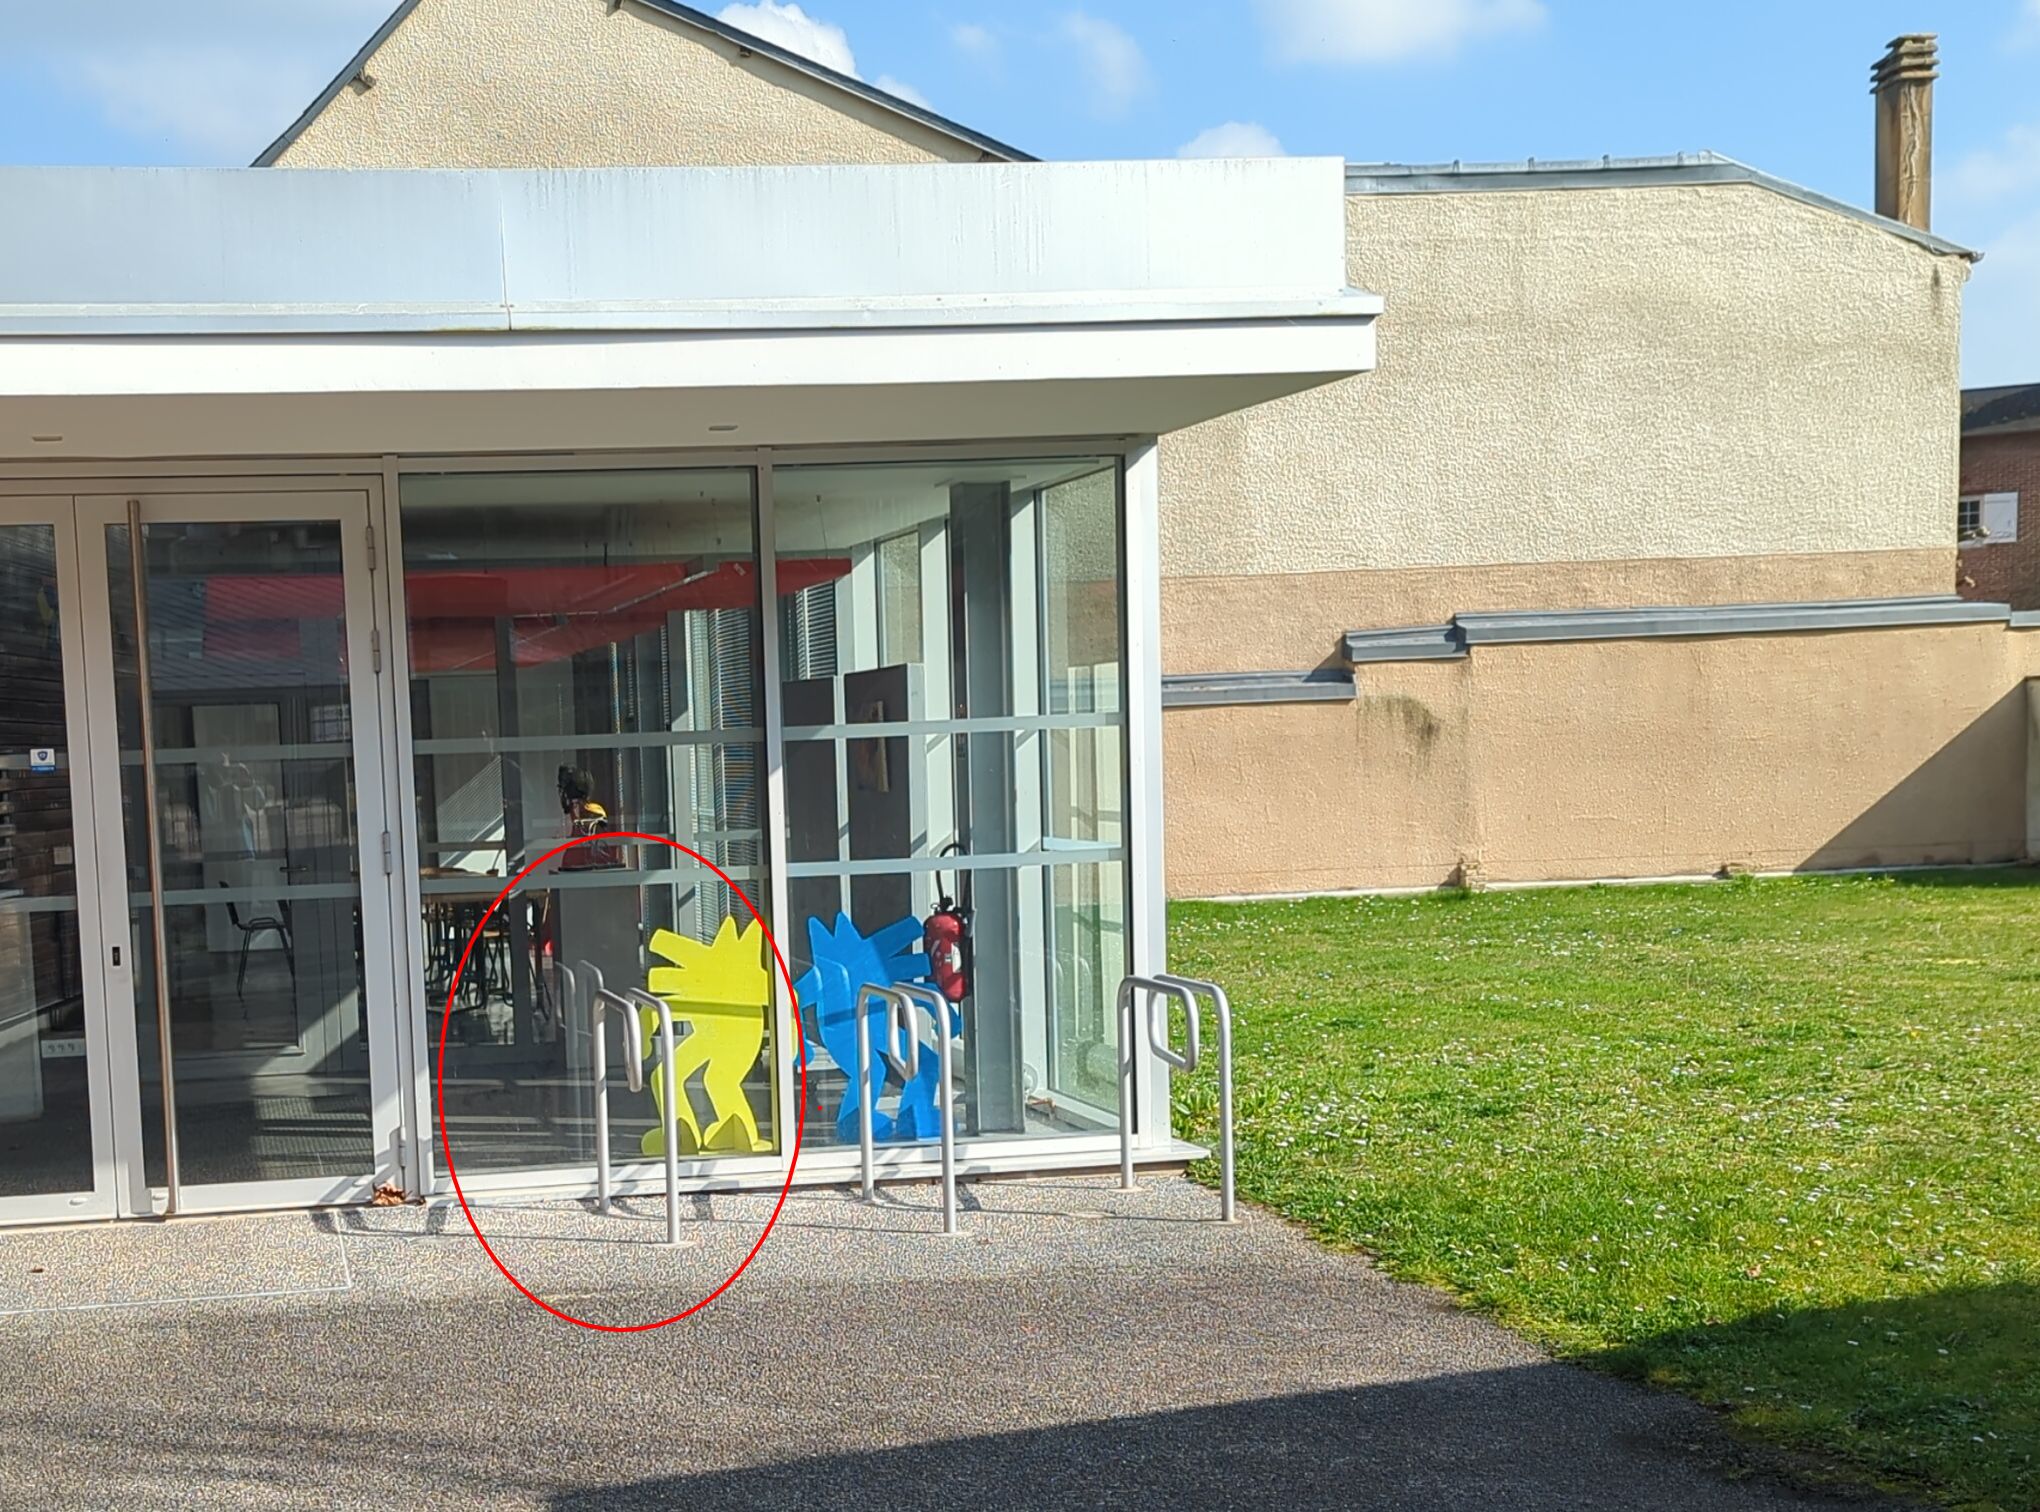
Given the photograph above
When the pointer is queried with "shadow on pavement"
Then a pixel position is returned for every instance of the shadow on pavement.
(1497, 1439)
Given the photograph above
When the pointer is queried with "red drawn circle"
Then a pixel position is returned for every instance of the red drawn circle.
(439, 1086)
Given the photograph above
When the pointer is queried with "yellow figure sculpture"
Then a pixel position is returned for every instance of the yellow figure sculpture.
(719, 995)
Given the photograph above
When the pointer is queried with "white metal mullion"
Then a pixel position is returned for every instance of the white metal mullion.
(381, 993)
(407, 908)
(56, 515)
(122, 1046)
(786, 1044)
(1149, 921)
(86, 820)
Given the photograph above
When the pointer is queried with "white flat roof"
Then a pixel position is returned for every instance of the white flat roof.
(117, 251)
(183, 313)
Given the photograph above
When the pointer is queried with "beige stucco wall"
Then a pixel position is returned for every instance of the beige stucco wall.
(569, 84)
(1631, 383)
(1615, 759)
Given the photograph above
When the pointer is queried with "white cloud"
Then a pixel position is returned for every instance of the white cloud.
(1233, 139)
(787, 25)
(2026, 29)
(1388, 31)
(792, 28)
(903, 89)
(211, 80)
(1995, 173)
(1114, 66)
(980, 42)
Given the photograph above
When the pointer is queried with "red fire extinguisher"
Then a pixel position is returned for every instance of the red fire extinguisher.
(946, 936)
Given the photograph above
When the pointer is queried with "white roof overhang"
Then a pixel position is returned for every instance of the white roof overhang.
(220, 313)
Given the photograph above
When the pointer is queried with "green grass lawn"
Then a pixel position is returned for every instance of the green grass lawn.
(1773, 1143)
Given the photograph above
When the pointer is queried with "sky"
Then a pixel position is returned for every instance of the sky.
(1781, 84)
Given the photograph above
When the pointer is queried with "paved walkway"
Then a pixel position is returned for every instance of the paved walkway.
(1078, 1347)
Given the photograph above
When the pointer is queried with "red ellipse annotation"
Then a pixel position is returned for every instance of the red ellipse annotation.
(439, 1085)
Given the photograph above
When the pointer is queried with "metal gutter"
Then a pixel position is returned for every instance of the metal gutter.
(1723, 619)
(1619, 173)
(991, 147)
(1412, 643)
(1534, 627)
(1223, 689)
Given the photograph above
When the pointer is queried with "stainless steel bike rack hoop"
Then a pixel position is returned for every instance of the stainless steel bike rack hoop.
(938, 1010)
(671, 1109)
(903, 1044)
(866, 1099)
(585, 980)
(1157, 992)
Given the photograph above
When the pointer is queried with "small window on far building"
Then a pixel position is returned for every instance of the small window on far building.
(1990, 519)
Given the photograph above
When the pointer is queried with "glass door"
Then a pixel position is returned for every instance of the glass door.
(56, 1141)
(235, 660)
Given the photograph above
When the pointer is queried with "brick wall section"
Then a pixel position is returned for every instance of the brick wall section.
(2007, 574)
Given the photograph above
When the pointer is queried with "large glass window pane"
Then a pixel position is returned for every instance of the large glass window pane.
(585, 660)
(256, 816)
(45, 1115)
(955, 757)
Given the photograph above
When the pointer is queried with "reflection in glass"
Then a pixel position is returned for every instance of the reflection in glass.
(585, 660)
(45, 1116)
(256, 817)
(975, 625)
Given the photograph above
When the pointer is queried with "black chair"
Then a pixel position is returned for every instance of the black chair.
(277, 924)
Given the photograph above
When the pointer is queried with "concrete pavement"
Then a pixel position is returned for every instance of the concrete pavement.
(1078, 1347)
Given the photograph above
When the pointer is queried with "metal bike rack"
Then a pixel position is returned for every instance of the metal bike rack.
(938, 1009)
(671, 1110)
(867, 994)
(586, 982)
(903, 1006)
(1157, 991)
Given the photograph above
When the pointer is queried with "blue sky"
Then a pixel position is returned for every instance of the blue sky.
(1781, 84)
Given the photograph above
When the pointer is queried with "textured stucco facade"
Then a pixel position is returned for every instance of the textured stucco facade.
(573, 84)
(1595, 398)
(1615, 759)
(1674, 375)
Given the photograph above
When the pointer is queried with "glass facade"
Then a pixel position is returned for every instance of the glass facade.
(368, 718)
(257, 798)
(956, 761)
(952, 690)
(45, 1100)
(585, 661)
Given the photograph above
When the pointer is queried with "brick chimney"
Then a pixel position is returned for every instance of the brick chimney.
(1903, 81)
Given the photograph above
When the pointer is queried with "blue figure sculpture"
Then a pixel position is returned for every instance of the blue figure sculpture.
(845, 961)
